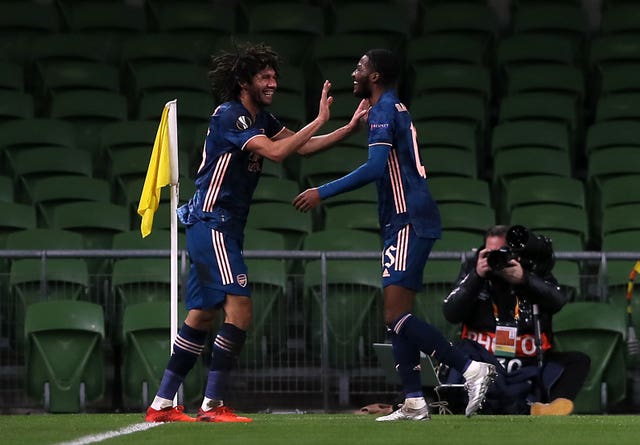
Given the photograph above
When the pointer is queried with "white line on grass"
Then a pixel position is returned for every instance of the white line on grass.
(136, 427)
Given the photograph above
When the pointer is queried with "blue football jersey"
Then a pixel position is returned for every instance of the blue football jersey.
(228, 174)
(403, 194)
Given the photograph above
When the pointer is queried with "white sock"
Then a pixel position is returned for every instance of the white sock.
(160, 403)
(208, 404)
(415, 402)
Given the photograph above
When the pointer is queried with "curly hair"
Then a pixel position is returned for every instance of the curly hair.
(230, 68)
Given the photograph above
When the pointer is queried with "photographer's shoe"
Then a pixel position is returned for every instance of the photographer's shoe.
(557, 407)
(406, 413)
(478, 378)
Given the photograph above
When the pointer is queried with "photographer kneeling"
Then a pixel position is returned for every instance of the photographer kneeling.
(505, 298)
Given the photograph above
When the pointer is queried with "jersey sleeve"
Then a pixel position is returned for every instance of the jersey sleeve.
(381, 120)
(273, 126)
(239, 128)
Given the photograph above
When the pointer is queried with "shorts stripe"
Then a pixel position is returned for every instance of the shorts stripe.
(402, 247)
(221, 257)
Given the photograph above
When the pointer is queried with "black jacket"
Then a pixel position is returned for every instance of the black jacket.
(471, 301)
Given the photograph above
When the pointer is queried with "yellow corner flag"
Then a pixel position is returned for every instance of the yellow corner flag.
(163, 167)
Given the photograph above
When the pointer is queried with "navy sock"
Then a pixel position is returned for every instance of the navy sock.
(407, 357)
(186, 350)
(430, 341)
(226, 348)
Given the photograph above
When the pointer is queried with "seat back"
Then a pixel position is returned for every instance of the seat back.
(598, 330)
(353, 312)
(63, 354)
(146, 345)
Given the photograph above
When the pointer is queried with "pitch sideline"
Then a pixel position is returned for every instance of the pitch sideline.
(93, 438)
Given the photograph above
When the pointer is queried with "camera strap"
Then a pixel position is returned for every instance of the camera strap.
(506, 335)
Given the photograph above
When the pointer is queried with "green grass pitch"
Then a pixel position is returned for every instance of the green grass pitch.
(327, 429)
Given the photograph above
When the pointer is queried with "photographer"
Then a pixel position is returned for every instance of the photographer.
(495, 297)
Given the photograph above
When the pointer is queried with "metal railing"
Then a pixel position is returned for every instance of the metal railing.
(334, 381)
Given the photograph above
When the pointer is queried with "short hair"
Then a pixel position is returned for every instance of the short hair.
(497, 230)
(386, 64)
(230, 68)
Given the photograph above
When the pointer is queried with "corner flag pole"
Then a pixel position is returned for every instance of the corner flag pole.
(175, 191)
(162, 171)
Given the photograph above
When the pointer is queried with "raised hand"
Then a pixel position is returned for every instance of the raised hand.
(360, 115)
(325, 102)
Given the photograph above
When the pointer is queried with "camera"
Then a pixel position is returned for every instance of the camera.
(534, 252)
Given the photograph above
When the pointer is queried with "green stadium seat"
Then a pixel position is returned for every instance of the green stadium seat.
(48, 192)
(96, 221)
(611, 50)
(14, 217)
(105, 18)
(619, 106)
(31, 165)
(88, 111)
(139, 280)
(272, 189)
(16, 105)
(50, 50)
(518, 162)
(438, 280)
(534, 189)
(63, 354)
(467, 217)
(559, 79)
(599, 330)
(445, 161)
(447, 48)
(320, 168)
(450, 107)
(194, 18)
(29, 282)
(524, 50)
(11, 76)
(7, 193)
(353, 318)
(29, 18)
(475, 19)
(448, 134)
(146, 348)
(473, 80)
(35, 133)
(281, 218)
(385, 19)
(543, 217)
(551, 18)
(356, 216)
(446, 189)
(623, 18)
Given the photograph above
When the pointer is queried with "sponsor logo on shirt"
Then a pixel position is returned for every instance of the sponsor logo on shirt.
(372, 126)
(243, 122)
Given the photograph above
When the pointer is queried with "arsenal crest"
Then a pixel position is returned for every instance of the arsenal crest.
(242, 279)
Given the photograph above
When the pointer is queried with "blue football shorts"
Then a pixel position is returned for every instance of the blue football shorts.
(217, 268)
(403, 258)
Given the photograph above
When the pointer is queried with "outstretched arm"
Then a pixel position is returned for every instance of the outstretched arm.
(279, 149)
(368, 172)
